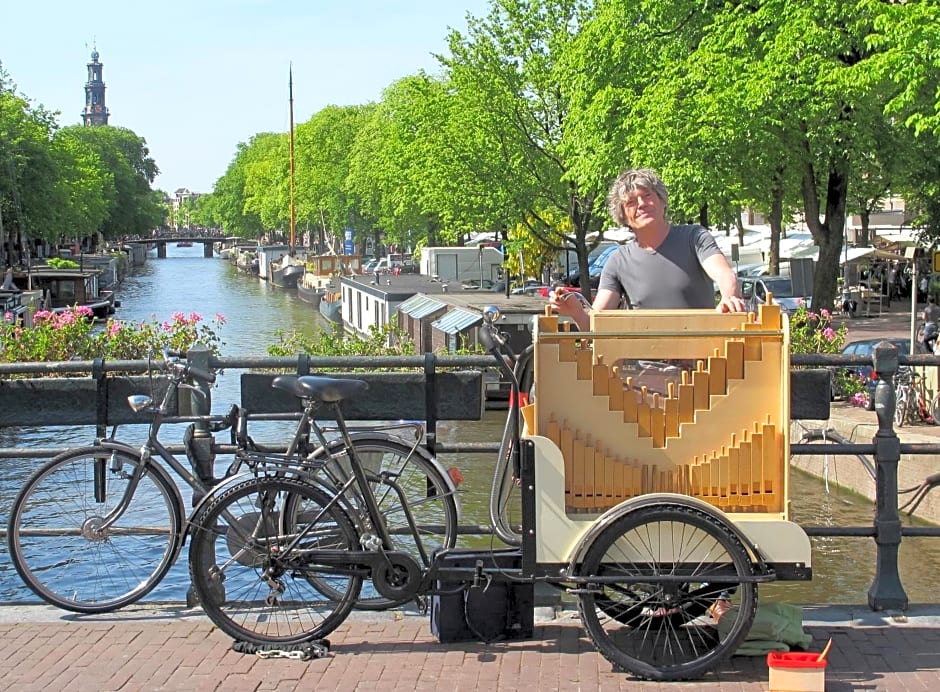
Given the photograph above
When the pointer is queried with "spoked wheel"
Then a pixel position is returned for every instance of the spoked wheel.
(406, 483)
(902, 405)
(671, 601)
(254, 580)
(69, 548)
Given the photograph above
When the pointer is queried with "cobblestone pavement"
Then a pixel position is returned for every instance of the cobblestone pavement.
(171, 648)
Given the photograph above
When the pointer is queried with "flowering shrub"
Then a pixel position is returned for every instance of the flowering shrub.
(72, 335)
(336, 343)
(812, 332)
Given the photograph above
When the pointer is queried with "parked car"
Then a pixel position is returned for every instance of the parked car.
(754, 291)
(865, 347)
(594, 268)
(369, 267)
(478, 285)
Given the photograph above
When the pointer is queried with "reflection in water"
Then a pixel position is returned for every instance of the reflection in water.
(255, 312)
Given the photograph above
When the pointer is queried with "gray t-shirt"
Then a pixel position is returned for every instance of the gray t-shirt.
(671, 276)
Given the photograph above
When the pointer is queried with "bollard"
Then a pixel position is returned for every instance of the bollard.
(886, 591)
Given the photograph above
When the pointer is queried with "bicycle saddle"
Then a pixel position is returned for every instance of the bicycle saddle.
(325, 389)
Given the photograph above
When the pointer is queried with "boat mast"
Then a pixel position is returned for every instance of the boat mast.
(290, 87)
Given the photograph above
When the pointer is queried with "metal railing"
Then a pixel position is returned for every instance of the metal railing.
(885, 448)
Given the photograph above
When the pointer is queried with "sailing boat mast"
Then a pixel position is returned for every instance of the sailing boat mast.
(290, 87)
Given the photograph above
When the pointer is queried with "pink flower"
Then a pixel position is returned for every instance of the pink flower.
(829, 333)
(84, 311)
(220, 318)
(824, 312)
(114, 328)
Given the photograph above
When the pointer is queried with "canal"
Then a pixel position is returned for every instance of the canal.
(255, 313)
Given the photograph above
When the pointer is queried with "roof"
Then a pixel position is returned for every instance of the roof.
(457, 320)
(420, 305)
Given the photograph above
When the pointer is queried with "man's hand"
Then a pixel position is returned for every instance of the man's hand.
(572, 304)
(731, 304)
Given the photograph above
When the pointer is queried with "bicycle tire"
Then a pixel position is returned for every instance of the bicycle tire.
(251, 583)
(430, 497)
(653, 628)
(63, 559)
(934, 409)
(901, 406)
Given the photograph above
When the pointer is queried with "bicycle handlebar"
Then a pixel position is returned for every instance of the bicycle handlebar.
(200, 374)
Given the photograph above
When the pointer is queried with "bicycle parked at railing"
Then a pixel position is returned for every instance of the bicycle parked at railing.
(913, 401)
(96, 528)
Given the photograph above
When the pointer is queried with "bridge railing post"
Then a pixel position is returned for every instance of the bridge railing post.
(886, 591)
(199, 443)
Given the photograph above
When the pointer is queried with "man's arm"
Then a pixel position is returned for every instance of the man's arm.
(719, 271)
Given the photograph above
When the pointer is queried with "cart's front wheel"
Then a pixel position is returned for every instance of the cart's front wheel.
(671, 600)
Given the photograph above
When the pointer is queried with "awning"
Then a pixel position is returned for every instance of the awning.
(852, 254)
(420, 305)
(457, 320)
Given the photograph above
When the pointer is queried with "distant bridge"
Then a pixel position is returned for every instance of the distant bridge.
(161, 243)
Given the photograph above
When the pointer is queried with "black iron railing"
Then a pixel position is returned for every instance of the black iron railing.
(433, 384)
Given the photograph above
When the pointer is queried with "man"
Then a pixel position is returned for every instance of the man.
(666, 266)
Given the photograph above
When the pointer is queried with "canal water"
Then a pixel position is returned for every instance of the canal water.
(254, 314)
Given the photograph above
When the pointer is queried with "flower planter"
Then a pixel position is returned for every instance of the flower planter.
(77, 400)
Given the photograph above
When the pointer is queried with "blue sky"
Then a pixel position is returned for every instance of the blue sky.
(196, 77)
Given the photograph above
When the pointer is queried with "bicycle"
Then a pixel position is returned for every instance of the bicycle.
(911, 399)
(97, 528)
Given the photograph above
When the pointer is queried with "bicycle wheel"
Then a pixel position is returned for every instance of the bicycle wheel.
(902, 405)
(934, 409)
(57, 544)
(253, 582)
(405, 482)
(652, 624)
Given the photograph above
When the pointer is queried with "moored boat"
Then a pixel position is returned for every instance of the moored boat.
(331, 306)
(285, 272)
(62, 289)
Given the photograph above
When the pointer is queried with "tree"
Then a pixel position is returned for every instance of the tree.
(775, 103)
(390, 160)
(132, 209)
(29, 205)
(508, 152)
(323, 147)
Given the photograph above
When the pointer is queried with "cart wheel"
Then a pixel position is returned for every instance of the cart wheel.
(683, 605)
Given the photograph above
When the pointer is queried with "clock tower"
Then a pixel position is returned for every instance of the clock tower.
(95, 113)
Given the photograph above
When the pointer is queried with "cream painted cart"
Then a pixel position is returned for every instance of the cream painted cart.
(655, 479)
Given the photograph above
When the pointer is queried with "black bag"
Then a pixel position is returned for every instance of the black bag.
(497, 609)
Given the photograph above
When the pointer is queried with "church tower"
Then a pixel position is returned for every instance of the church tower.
(95, 113)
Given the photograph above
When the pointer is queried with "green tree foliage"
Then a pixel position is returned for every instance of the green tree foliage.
(30, 205)
(390, 164)
(59, 183)
(131, 207)
(322, 158)
(513, 87)
(803, 110)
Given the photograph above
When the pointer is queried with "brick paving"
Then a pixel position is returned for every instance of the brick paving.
(171, 648)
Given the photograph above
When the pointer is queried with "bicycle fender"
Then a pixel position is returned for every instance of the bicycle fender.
(415, 449)
(209, 496)
(636, 503)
